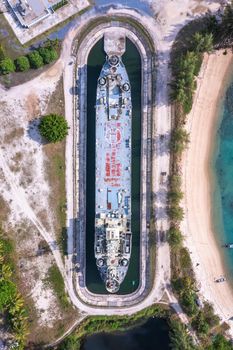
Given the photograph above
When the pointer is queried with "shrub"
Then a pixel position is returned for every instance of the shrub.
(184, 84)
(174, 236)
(199, 323)
(22, 64)
(188, 301)
(185, 260)
(220, 343)
(35, 59)
(202, 42)
(48, 54)
(52, 44)
(176, 213)
(212, 319)
(7, 66)
(53, 127)
(179, 140)
(175, 182)
(175, 197)
(179, 337)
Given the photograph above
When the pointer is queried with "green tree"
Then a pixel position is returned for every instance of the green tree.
(48, 54)
(7, 66)
(176, 213)
(179, 140)
(212, 319)
(174, 236)
(199, 323)
(202, 42)
(175, 196)
(220, 343)
(175, 182)
(179, 337)
(52, 43)
(188, 301)
(22, 64)
(35, 59)
(53, 127)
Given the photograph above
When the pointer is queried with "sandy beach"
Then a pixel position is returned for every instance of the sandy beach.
(197, 226)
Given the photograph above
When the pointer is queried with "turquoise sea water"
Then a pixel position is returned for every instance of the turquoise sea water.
(223, 174)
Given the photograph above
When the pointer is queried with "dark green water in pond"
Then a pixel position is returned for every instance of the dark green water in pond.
(152, 335)
(132, 62)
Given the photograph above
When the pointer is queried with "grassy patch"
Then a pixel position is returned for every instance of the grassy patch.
(56, 282)
(4, 210)
(8, 40)
(56, 170)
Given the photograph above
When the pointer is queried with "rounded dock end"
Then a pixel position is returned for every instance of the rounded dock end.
(112, 286)
(113, 60)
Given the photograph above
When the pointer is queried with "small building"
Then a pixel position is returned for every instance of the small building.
(30, 12)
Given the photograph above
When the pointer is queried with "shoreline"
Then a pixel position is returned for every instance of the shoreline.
(199, 181)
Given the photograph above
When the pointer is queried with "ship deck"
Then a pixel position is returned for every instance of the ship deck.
(113, 148)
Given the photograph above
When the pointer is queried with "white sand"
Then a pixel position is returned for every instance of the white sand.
(197, 225)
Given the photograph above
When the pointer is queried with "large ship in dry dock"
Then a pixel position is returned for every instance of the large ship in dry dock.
(113, 237)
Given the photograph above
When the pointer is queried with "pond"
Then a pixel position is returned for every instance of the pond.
(152, 335)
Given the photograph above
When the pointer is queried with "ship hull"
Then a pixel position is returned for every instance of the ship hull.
(113, 237)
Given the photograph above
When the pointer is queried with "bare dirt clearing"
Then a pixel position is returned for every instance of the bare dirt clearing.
(32, 190)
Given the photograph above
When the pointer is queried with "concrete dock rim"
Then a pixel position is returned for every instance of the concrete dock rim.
(122, 18)
(144, 57)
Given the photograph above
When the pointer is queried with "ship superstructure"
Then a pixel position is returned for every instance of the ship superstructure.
(113, 237)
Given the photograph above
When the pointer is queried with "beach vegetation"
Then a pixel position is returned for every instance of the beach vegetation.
(179, 140)
(22, 64)
(186, 62)
(184, 83)
(175, 196)
(53, 127)
(7, 66)
(175, 182)
(202, 42)
(200, 324)
(212, 319)
(175, 237)
(179, 336)
(188, 302)
(176, 213)
(220, 343)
